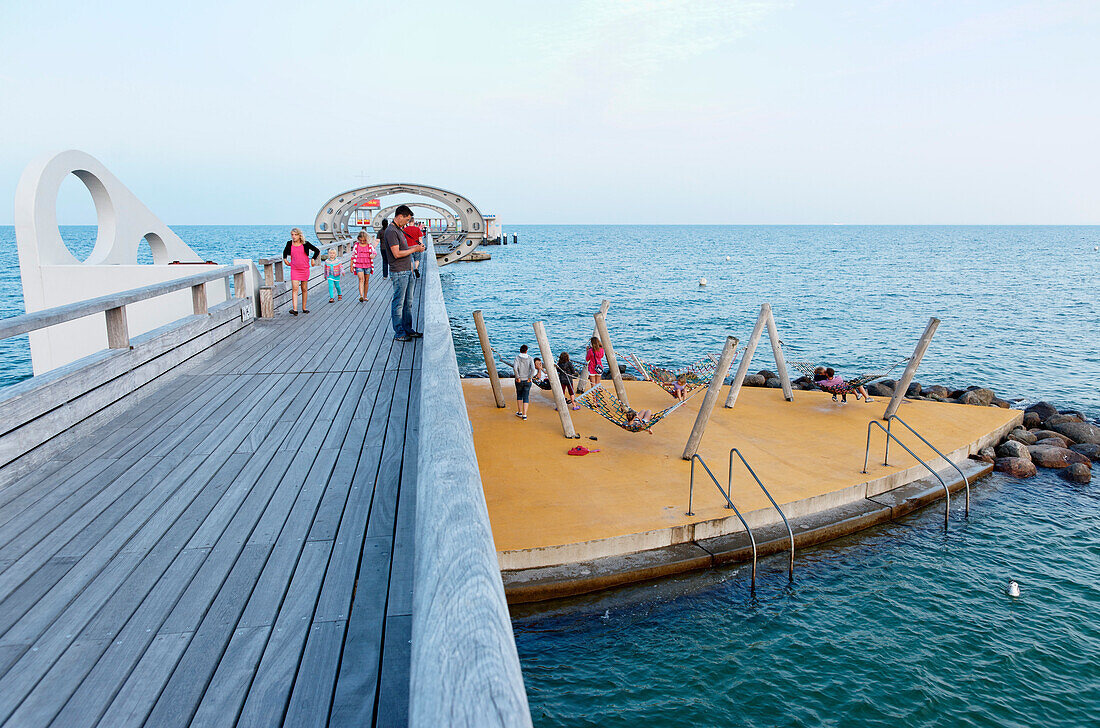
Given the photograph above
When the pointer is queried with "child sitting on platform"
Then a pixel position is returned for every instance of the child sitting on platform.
(541, 380)
(333, 271)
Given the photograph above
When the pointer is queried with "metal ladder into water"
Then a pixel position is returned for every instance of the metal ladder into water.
(886, 461)
(729, 504)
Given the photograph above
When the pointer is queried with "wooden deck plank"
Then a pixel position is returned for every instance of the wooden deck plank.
(221, 576)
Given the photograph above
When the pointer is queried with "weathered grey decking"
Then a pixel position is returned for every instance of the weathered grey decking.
(236, 548)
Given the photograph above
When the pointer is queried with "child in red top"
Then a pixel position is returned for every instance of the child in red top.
(594, 357)
(414, 233)
(363, 263)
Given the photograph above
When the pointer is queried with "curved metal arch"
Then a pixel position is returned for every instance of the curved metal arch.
(331, 223)
(452, 221)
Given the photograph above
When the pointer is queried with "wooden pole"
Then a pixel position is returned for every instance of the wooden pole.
(612, 360)
(780, 360)
(490, 362)
(118, 332)
(583, 376)
(911, 369)
(711, 397)
(746, 357)
(555, 383)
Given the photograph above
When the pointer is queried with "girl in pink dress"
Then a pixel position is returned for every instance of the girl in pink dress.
(594, 358)
(297, 254)
(363, 263)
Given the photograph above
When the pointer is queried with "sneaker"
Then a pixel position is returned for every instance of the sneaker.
(416, 335)
(361, 299)
(576, 406)
(293, 312)
(331, 300)
(402, 338)
(523, 417)
(305, 310)
(868, 399)
(340, 297)
(519, 414)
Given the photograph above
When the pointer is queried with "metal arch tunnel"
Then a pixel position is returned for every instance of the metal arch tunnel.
(332, 222)
(447, 236)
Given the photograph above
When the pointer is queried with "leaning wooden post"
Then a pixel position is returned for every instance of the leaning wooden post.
(746, 357)
(583, 376)
(555, 383)
(118, 331)
(780, 360)
(711, 397)
(911, 369)
(490, 363)
(612, 360)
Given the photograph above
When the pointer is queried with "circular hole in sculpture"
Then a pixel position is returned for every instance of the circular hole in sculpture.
(324, 226)
(77, 221)
(329, 211)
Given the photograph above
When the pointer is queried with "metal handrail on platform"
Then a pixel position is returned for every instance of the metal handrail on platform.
(892, 436)
(966, 482)
(729, 485)
(729, 504)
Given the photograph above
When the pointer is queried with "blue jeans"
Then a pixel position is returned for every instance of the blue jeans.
(401, 304)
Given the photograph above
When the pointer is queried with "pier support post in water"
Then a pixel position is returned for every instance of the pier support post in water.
(746, 357)
(911, 369)
(612, 360)
(711, 397)
(583, 366)
(555, 383)
(780, 360)
(490, 362)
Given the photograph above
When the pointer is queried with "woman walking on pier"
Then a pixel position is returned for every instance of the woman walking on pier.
(364, 263)
(297, 254)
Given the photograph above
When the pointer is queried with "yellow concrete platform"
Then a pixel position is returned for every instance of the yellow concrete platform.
(550, 508)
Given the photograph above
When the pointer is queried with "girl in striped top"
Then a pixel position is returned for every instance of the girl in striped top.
(363, 264)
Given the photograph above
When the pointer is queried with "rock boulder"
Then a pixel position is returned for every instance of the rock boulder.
(980, 396)
(1089, 450)
(773, 383)
(986, 455)
(1051, 434)
(767, 374)
(1060, 418)
(1013, 449)
(1032, 420)
(1044, 410)
(1048, 456)
(1021, 435)
(1077, 473)
(914, 390)
(754, 380)
(878, 389)
(1079, 432)
(1016, 467)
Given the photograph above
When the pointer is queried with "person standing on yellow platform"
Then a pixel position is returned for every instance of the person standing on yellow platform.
(523, 369)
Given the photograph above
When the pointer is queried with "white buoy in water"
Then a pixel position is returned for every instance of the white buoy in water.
(1013, 589)
(1095, 248)
(702, 281)
(728, 258)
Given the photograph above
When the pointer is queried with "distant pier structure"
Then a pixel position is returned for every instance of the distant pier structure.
(458, 231)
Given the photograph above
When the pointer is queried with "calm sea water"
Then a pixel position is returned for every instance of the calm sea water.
(900, 624)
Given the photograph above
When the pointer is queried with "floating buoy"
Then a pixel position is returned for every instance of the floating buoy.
(728, 259)
(1013, 589)
(702, 281)
(1095, 248)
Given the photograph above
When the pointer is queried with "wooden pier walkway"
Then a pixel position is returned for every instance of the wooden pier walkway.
(235, 548)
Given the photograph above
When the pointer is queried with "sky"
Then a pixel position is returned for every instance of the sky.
(572, 111)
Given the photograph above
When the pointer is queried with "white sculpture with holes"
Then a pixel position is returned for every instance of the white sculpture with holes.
(52, 275)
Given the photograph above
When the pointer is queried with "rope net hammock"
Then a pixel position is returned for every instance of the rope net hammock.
(848, 387)
(696, 376)
(608, 406)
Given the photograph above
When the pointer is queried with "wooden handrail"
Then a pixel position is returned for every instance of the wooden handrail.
(27, 322)
(464, 665)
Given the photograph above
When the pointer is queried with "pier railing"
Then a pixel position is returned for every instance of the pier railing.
(36, 414)
(465, 669)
